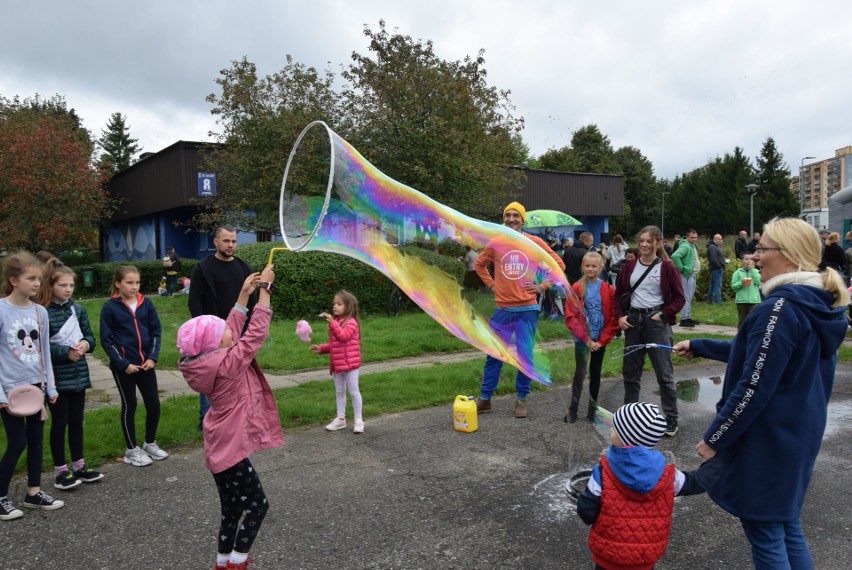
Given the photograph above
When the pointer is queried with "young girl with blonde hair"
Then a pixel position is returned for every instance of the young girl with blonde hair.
(23, 360)
(593, 329)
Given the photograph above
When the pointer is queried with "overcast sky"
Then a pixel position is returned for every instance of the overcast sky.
(683, 82)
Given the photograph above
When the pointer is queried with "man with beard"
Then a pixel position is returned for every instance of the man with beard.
(216, 284)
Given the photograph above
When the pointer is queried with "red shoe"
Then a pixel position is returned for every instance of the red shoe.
(219, 567)
(240, 566)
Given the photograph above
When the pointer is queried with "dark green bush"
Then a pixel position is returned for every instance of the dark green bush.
(306, 282)
(150, 272)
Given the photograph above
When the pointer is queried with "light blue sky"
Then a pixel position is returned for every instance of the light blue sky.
(682, 81)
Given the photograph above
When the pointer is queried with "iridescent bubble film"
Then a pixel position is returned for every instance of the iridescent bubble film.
(334, 200)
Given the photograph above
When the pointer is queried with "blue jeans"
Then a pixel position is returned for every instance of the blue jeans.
(778, 545)
(522, 325)
(715, 293)
(688, 293)
(204, 405)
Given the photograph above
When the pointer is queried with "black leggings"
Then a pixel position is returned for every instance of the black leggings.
(585, 362)
(240, 492)
(146, 381)
(21, 433)
(67, 412)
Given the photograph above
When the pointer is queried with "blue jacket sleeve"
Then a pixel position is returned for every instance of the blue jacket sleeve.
(85, 327)
(711, 348)
(703, 478)
(116, 357)
(589, 503)
(155, 329)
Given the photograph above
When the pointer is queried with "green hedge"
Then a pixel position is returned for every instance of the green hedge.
(150, 272)
(305, 282)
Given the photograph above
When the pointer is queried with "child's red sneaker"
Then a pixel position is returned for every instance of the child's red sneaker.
(240, 566)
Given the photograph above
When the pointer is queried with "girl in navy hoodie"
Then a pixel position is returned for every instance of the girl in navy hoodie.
(131, 335)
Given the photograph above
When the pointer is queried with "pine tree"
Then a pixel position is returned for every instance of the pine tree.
(118, 147)
(773, 176)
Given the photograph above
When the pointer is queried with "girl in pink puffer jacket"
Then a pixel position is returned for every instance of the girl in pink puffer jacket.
(344, 345)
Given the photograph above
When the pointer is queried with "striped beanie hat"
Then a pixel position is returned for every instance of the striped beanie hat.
(639, 423)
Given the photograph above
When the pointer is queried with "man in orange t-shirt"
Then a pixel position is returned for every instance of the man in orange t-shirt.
(517, 309)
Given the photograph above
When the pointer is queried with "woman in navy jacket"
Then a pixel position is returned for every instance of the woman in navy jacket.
(772, 415)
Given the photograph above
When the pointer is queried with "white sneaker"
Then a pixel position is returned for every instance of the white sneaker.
(336, 424)
(137, 457)
(359, 426)
(153, 450)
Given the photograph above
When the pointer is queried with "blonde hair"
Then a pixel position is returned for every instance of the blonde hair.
(350, 305)
(121, 272)
(583, 279)
(14, 267)
(833, 237)
(799, 242)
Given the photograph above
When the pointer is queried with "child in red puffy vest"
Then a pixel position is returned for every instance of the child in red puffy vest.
(630, 495)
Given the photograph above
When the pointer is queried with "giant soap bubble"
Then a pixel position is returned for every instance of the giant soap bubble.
(334, 200)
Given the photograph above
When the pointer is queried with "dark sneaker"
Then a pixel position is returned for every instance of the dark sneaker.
(8, 510)
(520, 408)
(483, 406)
(694, 322)
(671, 426)
(688, 323)
(66, 480)
(42, 501)
(593, 409)
(88, 475)
(570, 417)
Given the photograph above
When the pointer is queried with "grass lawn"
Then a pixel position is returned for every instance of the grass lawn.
(313, 403)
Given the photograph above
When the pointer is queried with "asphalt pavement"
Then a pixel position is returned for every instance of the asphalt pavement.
(411, 493)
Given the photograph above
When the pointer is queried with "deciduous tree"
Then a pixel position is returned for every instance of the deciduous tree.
(51, 194)
(435, 125)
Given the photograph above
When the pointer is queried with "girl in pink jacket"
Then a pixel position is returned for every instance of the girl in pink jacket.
(243, 417)
(344, 344)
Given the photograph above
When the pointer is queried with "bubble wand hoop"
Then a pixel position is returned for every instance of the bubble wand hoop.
(622, 352)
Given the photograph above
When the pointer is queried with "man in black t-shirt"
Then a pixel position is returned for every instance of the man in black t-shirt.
(216, 283)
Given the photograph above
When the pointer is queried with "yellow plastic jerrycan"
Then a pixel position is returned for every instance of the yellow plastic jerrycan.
(464, 414)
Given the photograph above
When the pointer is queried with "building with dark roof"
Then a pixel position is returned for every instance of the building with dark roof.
(158, 195)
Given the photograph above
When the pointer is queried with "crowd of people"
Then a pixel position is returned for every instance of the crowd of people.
(791, 294)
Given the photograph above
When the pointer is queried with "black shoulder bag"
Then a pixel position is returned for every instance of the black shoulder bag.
(625, 298)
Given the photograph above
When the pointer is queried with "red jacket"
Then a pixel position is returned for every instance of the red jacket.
(344, 344)
(632, 530)
(576, 321)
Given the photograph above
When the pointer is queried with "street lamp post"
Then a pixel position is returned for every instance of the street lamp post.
(801, 187)
(752, 188)
(663, 216)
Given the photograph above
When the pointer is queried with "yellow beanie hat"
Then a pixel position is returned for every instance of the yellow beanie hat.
(520, 209)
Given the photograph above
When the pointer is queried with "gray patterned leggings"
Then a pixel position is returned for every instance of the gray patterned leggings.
(240, 492)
